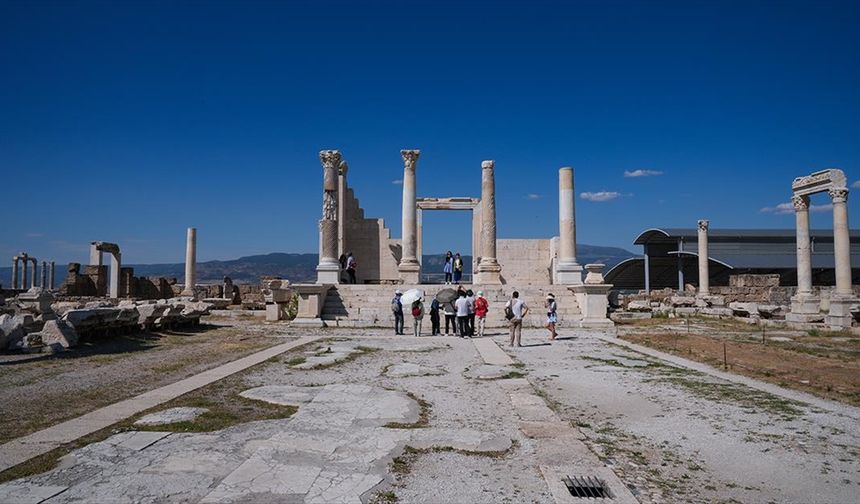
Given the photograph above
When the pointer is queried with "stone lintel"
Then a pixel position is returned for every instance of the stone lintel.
(820, 181)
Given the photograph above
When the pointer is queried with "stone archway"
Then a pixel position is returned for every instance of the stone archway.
(456, 204)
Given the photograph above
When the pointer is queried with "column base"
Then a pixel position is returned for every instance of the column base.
(410, 272)
(489, 273)
(328, 273)
(840, 316)
(805, 304)
(568, 274)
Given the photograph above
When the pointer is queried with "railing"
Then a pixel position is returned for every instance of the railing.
(439, 278)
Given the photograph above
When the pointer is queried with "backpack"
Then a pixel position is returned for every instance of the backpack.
(395, 305)
(509, 311)
(416, 311)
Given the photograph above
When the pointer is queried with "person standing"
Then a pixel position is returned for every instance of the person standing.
(448, 269)
(551, 315)
(397, 310)
(434, 317)
(470, 297)
(516, 308)
(458, 268)
(350, 267)
(450, 317)
(462, 305)
(417, 316)
(481, 308)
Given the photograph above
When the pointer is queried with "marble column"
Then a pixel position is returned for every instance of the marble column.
(704, 274)
(328, 269)
(35, 271)
(115, 265)
(568, 271)
(803, 302)
(190, 262)
(410, 269)
(488, 269)
(44, 278)
(26, 260)
(15, 272)
(841, 242)
(51, 276)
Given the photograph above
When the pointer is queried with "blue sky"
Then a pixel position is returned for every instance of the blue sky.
(129, 121)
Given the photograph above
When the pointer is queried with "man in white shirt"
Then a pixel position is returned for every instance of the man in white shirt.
(520, 310)
(462, 305)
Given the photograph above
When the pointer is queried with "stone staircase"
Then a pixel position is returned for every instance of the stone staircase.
(370, 305)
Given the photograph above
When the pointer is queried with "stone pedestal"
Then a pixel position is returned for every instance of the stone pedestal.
(489, 270)
(592, 297)
(277, 295)
(567, 270)
(311, 301)
(840, 316)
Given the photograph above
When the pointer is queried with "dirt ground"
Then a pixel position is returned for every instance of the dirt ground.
(823, 363)
(42, 390)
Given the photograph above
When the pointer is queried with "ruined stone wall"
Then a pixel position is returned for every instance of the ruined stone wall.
(525, 262)
(376, 254)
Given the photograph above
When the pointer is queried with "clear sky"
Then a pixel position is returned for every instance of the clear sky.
(130, 121)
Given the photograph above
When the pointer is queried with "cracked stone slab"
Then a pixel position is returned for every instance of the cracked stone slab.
(172, 415)
(405, 369)
(136, 440)
(14, 493)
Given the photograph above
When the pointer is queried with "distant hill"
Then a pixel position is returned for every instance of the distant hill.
(302, 267)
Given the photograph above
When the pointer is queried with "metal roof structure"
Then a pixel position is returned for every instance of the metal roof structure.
(672, 255)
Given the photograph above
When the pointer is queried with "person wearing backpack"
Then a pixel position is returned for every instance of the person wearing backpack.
(417, 316)
(350, 267)
(470, 297)
(434, 317)
(481, 308)
(515, 311)
(397, 310)
(450, 317)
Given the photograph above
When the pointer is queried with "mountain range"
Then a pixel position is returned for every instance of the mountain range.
(302, 267)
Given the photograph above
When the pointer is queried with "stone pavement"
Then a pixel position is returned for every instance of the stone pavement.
(23, 449)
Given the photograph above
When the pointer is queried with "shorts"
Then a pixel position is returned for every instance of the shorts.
(551, 318)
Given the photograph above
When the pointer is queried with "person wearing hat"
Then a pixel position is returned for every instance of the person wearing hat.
(481, 307)
(397, 310)
(551, 315)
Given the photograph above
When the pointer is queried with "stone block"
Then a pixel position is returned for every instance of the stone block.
(59, 332)
(682, 301)
(744, 309)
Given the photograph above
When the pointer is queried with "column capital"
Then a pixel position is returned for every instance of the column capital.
(410, 157)
(330, 159)
(488, 164)
(800, 202)
(703, 224)
(839, 194)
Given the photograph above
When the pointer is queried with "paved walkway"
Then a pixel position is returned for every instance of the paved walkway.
(23, 449)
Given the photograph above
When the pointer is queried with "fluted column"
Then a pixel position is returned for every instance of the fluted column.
(44, 278)
(51, 276)
(190, 261)
(410, 269)
(704, 274)
(488, 269)
(26, 265)
(35, 271)
(328, 269)
(841, 241)
(15, 272)
(568, 271)
(804, 303)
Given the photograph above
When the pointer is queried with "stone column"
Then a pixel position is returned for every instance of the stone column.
(35, 271)
(568, 271)
(15, 272)
(803, 303)
(704, 278)
(410, 269)
(488, 269)
(44, 279)
(51, 276)
(328, 269)
(26, 260)
(115, 265)
(841, 242)
(190, 262)
(95, 255)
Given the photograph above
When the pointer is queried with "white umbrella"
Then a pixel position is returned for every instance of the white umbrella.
(411, 296)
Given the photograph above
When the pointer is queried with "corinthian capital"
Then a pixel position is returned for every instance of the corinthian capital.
(330, 159)
(488, 164)
(703, 225)
(410, 157)
(839, 194)
(800, 203)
